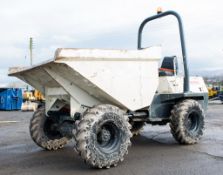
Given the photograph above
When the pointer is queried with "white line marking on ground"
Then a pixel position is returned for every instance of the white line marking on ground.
(2, 122)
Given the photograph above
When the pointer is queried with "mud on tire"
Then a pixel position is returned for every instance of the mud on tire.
(103, 136)
(42, 134)
(187, 122)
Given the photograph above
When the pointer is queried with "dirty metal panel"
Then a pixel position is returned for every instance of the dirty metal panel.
(125, 78)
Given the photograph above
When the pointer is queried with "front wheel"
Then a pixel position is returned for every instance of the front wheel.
(103, 136)
(187, 122)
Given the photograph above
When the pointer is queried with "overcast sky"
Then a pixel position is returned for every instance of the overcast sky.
(108, 24)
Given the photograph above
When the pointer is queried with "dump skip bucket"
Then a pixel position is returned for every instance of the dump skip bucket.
(125, 78)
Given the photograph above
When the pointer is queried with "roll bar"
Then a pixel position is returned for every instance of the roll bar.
(182, 41)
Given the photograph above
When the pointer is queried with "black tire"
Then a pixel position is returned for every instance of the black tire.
(137, 127)
(187, 122)
(103, 136)
(42, 134)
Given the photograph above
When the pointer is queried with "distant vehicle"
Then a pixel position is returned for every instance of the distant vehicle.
(31, 100)
(220, 96)
(213, 92)
(33, 95)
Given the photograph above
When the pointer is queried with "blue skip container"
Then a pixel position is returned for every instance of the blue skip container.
(10, 99)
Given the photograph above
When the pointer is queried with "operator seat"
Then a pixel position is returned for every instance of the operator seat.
(169, 66)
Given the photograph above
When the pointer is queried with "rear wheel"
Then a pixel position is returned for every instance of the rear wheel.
(103, 136)
(43, 131)
(187, 122)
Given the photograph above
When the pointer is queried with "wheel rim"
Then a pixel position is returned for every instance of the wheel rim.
(192, 123)
(108, 137)
(50, 129)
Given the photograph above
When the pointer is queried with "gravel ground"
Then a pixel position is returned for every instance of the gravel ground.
(153, 152)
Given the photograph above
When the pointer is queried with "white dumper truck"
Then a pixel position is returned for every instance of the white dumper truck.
(101, 98)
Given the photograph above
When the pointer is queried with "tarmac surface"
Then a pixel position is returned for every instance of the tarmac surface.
(153, 152)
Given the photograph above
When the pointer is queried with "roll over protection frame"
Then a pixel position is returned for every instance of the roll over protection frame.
(182, 41)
